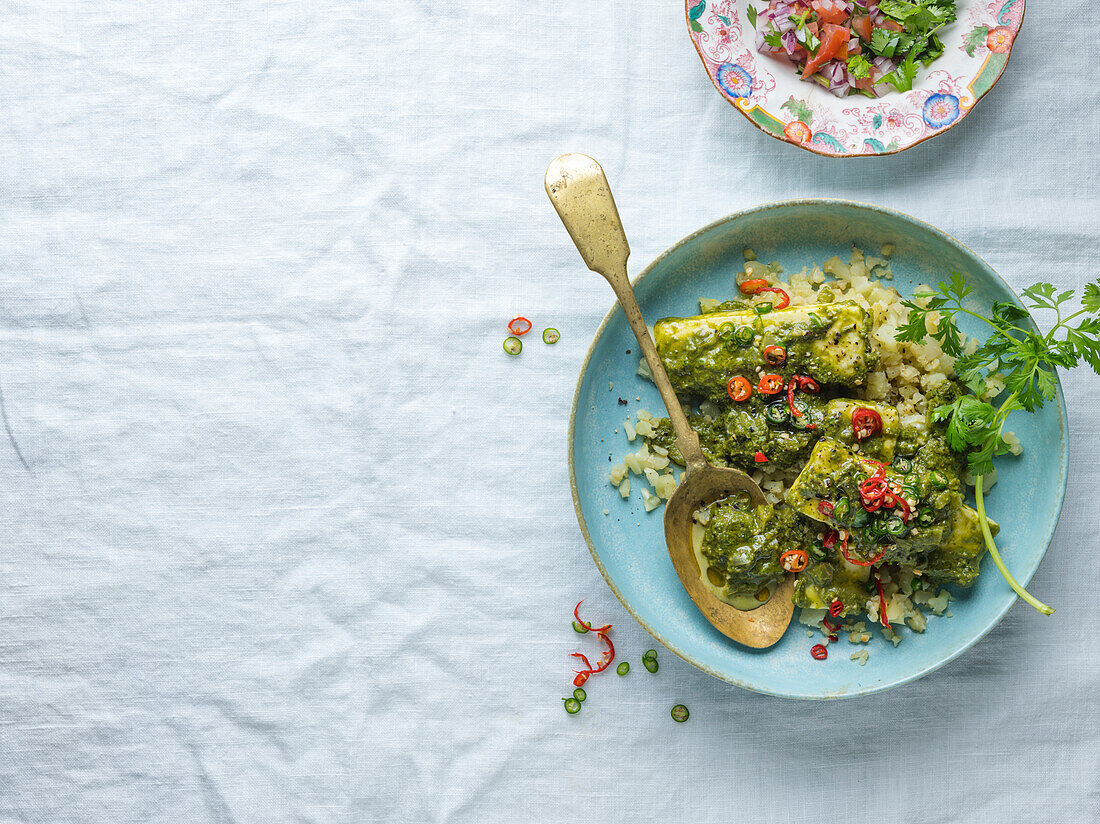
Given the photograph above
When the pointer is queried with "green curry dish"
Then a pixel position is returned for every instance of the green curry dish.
(828, 342)
(940, 526)
(740, 548)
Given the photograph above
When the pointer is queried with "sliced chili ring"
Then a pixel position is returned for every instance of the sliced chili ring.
(513, 345)
(836, 607)
(866, 423)
(744, 335)
(830, 539)
(753, 285)
(585, 624)
(784, 298)
(776, 413)
(775, 355)
(550, 335)
(808, 384)
(819, 652)
(519, 325)
(739, 389)
(770, 385)
(825, 508)
(760, 457)
(794, 560)
(726, 330)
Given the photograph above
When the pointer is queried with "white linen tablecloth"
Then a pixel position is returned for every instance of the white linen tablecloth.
(285, 537)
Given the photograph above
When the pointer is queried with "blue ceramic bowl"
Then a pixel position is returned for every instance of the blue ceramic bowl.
(628, 545)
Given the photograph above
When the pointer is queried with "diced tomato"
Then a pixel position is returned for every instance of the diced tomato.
(863, 27)
(814, 28)
(830, 11)
(867, 83)
(891, 25)
(834, 43)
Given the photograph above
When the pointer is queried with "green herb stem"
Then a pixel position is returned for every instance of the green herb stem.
(992, 547)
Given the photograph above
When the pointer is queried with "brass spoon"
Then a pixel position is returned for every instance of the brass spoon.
(582, 197)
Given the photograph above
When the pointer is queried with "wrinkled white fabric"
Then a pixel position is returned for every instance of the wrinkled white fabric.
(285, 537)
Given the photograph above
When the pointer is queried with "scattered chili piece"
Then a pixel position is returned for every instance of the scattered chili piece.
(585, 624)
(572, 705)
(865, 423)
(753, 285)
(775, 355)
(819, 652)
(830, 539)
(882, 603)
(829, 625)
(739, 389)
(825, 508)
(550, 335)
(513, 345)
(784, 298)
(760, 457)
(680, 713)
(519, 325)
(770, 385)
(836, 607)
(794, 560)
(808, 384)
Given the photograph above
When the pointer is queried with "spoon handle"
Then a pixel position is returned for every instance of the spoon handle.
(582, 197)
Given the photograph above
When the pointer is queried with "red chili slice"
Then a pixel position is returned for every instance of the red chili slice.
(806, 384)
(770, 385)
(775, 355)
(784, 298)
(825, 508)
(753, 285)
(739, 389)
(882, 603)
(585, 624)
(760, 457)
(836, 607)
(830, 539)
(519, 326)
(866, 423)
(819, 652)
(799, 560)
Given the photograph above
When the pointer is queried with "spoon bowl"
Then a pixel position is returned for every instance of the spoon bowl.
(582, 197)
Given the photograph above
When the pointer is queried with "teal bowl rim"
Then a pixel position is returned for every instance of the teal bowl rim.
(1063, 417)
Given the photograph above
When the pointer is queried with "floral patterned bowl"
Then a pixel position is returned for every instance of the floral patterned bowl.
(768, 92)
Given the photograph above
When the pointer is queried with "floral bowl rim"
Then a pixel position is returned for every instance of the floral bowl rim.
(773, 126)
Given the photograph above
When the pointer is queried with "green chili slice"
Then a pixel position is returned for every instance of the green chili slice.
(551, 335)
(579, 627)
(572, 705)
(896, 526)
(842, 509)
(763, 308)
(777, 413)
(650, 664)
(926, 517)
(623, 668)
(745, 335)
(579, 694)
(680, 714)
(903, 465)
(650, 654)
(726, 330)
(513, 345)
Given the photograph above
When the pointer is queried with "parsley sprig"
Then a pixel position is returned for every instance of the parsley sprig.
(1017, 355)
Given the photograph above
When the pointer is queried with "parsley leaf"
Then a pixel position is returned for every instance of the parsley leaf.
(750, 13)
(859, 66)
